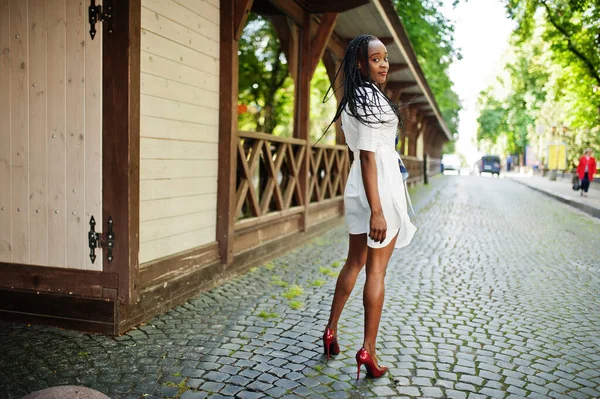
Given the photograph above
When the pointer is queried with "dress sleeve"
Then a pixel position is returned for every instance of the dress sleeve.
(368, 134)
(368, 137)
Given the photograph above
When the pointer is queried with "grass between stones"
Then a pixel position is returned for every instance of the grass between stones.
(327, 271)
(269, 266)
(182, 386)
(267, 315)
(293, 292)
(277, 280)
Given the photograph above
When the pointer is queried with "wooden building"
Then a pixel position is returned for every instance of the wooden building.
(137, 128)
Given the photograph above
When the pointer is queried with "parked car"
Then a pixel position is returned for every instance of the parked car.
(451, 162)
(489, 164)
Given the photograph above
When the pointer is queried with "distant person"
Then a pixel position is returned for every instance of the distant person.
(509, 162)
(586, 170)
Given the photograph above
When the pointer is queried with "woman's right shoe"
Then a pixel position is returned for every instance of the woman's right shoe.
(363, 357)
(330, 343)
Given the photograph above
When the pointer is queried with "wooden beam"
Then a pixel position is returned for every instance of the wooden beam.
(302, 111)
(172, 267)
(121, 144)
(420, 105)
(228, 99)
(396, 93)
(293, 10)
(241, 11)
(332, 65)
(420, 124)
(386, 40)
(337, 45)
(410, 97)
(397, 67)
(322, 6)
(319, 42)
(87, 283)
(287, 32)
(400, 84)
(91, 315)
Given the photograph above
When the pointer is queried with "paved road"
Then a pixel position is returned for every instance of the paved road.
(499, 296)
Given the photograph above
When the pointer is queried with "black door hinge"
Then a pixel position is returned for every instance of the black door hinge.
(96, 14)
(96, 240)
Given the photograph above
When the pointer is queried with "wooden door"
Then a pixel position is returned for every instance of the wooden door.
(50, 133)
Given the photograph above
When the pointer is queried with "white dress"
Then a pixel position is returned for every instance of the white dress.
(378, 138)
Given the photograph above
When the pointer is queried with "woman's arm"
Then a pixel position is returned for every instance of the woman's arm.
(368, 167)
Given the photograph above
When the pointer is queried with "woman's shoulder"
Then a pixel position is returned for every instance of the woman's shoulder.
(368, 91)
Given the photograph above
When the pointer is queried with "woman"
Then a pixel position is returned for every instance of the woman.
(374, 198)
(586, 170)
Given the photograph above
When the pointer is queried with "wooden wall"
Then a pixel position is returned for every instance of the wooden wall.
(50, 133)
(179, 126)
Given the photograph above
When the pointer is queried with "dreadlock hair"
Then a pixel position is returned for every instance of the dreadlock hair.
(360, 105)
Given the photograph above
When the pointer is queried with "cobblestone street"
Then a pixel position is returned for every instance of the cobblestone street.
(498, 296)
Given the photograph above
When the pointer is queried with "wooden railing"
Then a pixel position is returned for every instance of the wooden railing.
(415, 168)
(269, 174)
(328, 172)
(434, 166)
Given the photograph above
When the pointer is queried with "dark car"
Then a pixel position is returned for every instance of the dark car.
(490, 164)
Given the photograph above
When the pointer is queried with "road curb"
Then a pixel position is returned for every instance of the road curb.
(590, 210)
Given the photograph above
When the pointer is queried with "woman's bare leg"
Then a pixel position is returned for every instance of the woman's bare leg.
(357, 257)
(373, 294)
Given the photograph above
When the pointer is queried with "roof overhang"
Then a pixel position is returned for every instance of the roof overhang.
(379, 18)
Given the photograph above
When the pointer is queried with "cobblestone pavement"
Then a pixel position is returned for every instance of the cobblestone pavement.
(498, 296)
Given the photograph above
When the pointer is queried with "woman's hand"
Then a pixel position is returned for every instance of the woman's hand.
(377, 227)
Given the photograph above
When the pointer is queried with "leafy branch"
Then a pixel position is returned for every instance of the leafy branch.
(590, 65)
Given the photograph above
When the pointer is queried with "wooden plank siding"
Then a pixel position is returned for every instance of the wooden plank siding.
(5, 153)
(179, 126)
(50, 133)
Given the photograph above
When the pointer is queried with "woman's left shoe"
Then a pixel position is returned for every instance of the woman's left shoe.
(363, 357)
(330, 343)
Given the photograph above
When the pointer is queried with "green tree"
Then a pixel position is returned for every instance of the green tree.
(549, 94)
(571, 26)
(432, 37)
(265, 85)
(321, 114)
(492, 118)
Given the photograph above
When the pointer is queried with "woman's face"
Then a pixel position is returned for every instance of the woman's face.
(378, 61)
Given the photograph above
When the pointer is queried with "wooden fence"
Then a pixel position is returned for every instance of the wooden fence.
(269, 178)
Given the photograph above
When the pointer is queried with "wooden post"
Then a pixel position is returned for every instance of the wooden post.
(228, 97)
(425, 169)
(287, 32)
(332, 65)
(322, 36)
(121, 144)
(302, 109)
(240, 16)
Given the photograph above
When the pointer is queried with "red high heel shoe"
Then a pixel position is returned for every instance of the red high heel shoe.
(363, 357)
(330, 343)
